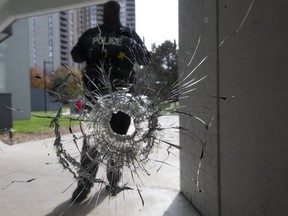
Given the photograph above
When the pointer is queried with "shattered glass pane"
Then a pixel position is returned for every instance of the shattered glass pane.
(136, 153)
(133, 152)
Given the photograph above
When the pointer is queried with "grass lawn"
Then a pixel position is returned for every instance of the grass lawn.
(166, 106)
(41, 123)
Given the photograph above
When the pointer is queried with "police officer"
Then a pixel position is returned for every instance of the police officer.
(109, 51)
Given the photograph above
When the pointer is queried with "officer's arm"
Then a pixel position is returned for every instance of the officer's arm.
(141, 52)
(77, 52)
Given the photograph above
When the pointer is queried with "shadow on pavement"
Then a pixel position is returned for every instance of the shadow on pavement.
(180, 206)
(68, 208)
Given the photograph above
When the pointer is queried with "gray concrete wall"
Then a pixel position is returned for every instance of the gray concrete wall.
(3, 68)
(253, 126)
(14, 64)
(198, 20)
(245, 170)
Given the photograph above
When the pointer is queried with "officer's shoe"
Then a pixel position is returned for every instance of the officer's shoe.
(113, 175)
(81, 192)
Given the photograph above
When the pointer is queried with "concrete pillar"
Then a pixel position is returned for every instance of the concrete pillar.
(245, 168)
(197, 19)
(14, 66)
(253, 129)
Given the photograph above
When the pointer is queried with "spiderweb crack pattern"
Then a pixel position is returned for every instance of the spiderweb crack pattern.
(132, 151)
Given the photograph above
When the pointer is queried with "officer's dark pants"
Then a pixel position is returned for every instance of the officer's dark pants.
(119, 123)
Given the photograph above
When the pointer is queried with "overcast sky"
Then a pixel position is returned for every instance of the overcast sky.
(157, 20)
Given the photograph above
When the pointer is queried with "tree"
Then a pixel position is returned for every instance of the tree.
(37, 77)
(65, 84)
(164, 66)
(164, 61)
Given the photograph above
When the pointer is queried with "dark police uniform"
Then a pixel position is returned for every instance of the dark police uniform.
(109, 51)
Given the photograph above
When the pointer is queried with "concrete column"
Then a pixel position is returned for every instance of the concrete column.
(253, 74)
(245, 168)
(197, 19)
(15, 68)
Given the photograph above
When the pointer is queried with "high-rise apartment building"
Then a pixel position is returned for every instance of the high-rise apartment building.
(52, 36)
(127, 13)
(46, 41)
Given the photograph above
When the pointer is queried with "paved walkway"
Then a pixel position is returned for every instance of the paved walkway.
(33, 183)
